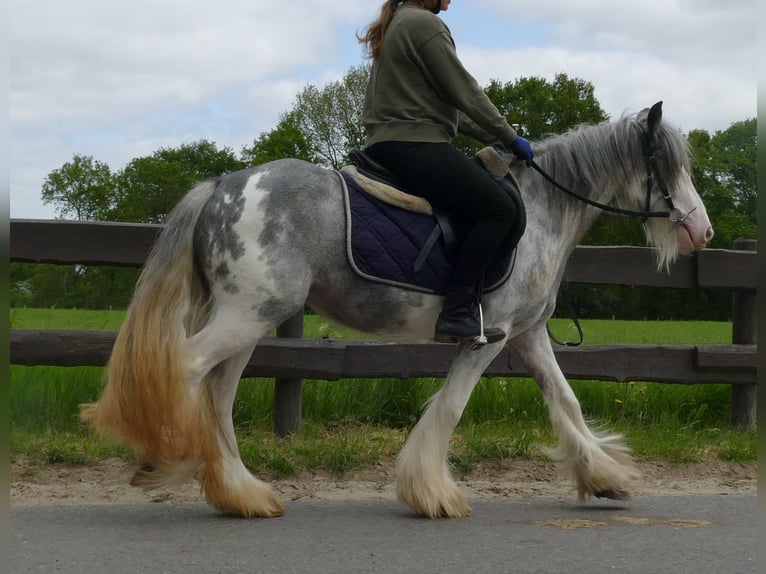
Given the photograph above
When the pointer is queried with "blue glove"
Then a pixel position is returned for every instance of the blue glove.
(522, 150)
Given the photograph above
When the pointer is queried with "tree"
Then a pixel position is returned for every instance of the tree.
(724, 172)
(82, 188)
(144, 191)
(539, 108)
(149, 187)
(285, 141)
(542, 108)
(38, 284)
(331, 118)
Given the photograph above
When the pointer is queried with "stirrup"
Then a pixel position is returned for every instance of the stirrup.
(482, 337)
(481, 340)
(473, 335)
(478, 342)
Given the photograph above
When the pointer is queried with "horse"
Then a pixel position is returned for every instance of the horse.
(243, 252)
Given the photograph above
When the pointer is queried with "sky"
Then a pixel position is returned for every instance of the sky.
(120, 79)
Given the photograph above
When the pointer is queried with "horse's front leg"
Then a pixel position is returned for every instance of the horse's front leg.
(424, 481)
(601, 465)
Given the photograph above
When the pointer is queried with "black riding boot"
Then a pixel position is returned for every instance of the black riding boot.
(457, 320)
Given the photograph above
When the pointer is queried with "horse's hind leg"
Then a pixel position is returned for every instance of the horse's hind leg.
(228, 485)
(601, 465)
(424, 481)
(215, 358)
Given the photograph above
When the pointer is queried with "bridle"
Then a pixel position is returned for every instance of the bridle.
(653, 175)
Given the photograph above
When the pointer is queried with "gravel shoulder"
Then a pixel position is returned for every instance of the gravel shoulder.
(106, 482)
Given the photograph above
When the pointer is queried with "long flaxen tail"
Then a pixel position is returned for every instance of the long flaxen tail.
(148, 401)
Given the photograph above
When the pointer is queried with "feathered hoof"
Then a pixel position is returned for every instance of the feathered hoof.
(601, 489)
(164, 474)
(613, 494)
(608, 481)
(241, 494)
(605, 470)
(265, 505)
(145, 476)
(446, 501)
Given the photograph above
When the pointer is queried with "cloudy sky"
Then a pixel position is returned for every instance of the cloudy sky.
(117, 80)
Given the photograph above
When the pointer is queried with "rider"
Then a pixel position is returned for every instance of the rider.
(418, 98)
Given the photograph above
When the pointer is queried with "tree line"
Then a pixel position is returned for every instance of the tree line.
(322, 125)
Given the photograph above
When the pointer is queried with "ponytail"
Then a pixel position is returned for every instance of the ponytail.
(375, 32)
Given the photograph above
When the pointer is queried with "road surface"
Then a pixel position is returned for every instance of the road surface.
(677, 534)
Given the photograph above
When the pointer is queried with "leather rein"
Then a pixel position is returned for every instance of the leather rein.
(653, 174)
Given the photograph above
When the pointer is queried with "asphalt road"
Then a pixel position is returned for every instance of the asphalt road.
(670, 534)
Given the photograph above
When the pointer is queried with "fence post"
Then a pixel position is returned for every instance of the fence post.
(743, 332)
(288, 392)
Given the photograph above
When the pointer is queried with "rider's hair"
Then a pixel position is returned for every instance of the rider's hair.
(376, 31)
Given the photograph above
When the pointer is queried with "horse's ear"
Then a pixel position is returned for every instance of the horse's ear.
(655, 117)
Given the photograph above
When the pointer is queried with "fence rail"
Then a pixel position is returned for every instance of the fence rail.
(290, 358)
(328, 359)
(128, 244)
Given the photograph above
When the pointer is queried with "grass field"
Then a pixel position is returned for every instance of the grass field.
(353, 423)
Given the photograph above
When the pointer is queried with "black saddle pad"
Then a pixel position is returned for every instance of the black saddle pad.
(384, 243)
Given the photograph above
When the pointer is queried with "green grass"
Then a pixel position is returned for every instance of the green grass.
(596, 331)
(66, 319)
(355, 423)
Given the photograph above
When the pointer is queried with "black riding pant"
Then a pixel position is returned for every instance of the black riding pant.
(451, 181)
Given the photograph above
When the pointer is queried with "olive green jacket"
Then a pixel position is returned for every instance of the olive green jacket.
(420, 91)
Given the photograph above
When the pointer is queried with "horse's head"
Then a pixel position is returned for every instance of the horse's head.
(669, 187)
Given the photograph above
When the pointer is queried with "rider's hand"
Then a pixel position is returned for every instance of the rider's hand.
(522, 150)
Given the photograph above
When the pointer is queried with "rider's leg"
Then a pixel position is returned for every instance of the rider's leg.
(450, 180)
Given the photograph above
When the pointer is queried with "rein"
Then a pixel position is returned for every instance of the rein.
(602, 206)
(674, 214)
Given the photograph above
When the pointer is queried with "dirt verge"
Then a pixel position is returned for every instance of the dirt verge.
(106, 482)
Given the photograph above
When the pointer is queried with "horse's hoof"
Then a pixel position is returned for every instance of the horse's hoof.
(273, 509)
(613, 494)
(450, 503)
(239, 493)
(163, 474)
(455, 511)
(146, 467)
(144, 477)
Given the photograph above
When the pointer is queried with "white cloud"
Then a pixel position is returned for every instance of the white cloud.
(671, 28)
(698, 55)
(628, 82)
(115, 58)
(119, 79)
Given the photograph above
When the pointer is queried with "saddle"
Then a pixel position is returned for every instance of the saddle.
(399, 238)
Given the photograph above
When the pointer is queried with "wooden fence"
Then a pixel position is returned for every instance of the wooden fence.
(290, 358)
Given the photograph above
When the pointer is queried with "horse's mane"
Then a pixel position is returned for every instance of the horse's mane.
(582, 156)
(604, 162)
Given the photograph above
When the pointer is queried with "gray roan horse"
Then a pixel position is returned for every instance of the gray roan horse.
(243, 252)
